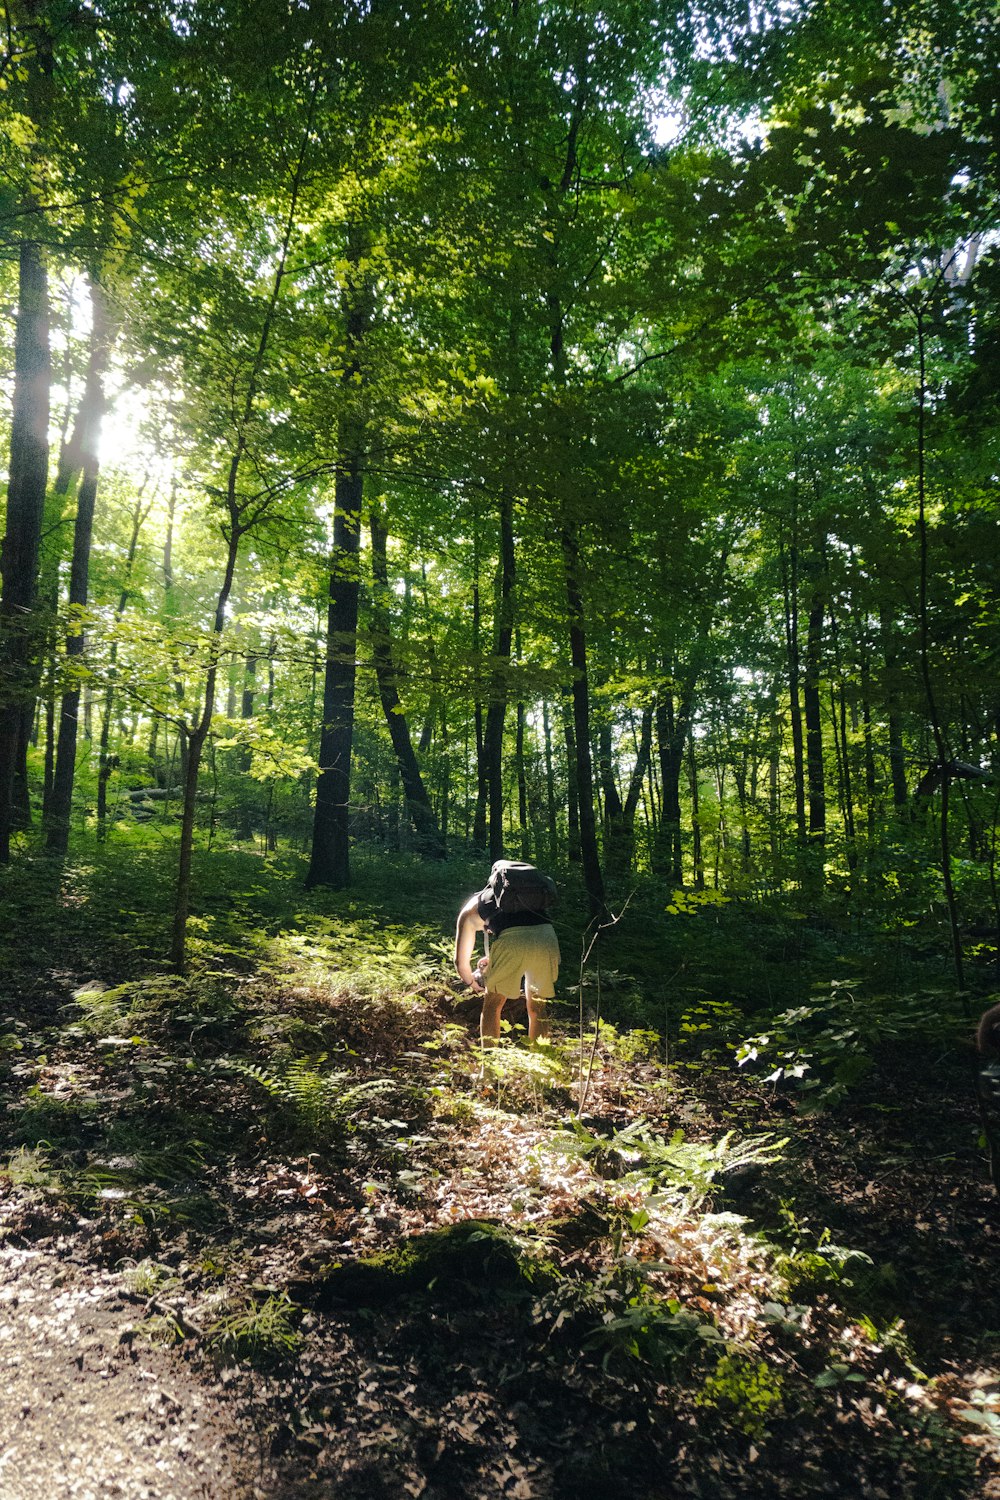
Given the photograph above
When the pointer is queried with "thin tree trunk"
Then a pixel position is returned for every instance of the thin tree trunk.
(850, 827)
(51, 695)
(593, 878)
(82, 449)
(496, 710)
(434, 700)
(418, 804)
(897, 756)
(244, 755)
(199, 735)
(774, 801)
(721, 842)
(235, 531)
(871, 778)
(620, 816)
(248, 694)
(444, 763)
(634, 791)
(572, 791)
(937, 727)
(105, 764)
(673, 724)
(814, 724)
(598, 802)
(479, 831)
(522, 782)
(697, 859)
(550, 786)
(49, 768)
(170, 610)
(789, 575)
(589, 857)
(612, 811)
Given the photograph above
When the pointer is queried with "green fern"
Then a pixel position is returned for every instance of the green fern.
(312, 1097)
(358, 958)
(681, 1170)
(321, 1104)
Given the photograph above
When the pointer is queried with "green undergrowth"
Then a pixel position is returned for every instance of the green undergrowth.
(300, 1140)
(823, 1048)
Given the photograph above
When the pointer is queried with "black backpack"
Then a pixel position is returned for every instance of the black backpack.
(517, 886)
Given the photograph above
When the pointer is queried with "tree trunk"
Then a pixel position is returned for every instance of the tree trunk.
(897, 755)
(444, 794)
(633, 794)
(435, 714)
(496, 710)
(813, 873)
(790, 585)
(49, 765)
(106, 764)
(479, 833)
(774, 801)
(82, 450)
(814, 724)
(329, 863)
(199, 735)
(234, 532)
(672, 728)
(589, 857)
(696, 848)
(522, 783)
(418, 804)
(170, 612)
(244, 755)
(572, 790)
(330, 860)
(613, 810)
(619, 816)
(593, 878)
(28, 478)
(871, 779)
(51, 606)
(550, 786)
(923, 620)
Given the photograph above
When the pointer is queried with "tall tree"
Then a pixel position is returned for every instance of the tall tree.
(29, 58)
(329, 862)
(428, 836)
(82, 452)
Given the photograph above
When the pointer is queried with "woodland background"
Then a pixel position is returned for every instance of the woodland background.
(561, 431)
(547, 430)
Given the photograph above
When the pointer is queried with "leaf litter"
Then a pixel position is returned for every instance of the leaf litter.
(654, 1342)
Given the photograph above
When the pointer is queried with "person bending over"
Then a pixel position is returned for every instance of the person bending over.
(523, 953)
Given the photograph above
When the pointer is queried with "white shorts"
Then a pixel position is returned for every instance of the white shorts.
(520, 951)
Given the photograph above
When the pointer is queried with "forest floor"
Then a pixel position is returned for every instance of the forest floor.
(265, 1232)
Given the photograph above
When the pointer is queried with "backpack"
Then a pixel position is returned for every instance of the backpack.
(517, 886)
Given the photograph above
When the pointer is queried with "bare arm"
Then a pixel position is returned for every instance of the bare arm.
(469, 923)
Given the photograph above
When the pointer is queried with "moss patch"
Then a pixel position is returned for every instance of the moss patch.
(470, 1256)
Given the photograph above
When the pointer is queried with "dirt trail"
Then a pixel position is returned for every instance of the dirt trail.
(88, 1413)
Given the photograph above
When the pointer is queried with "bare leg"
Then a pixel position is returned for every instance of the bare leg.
(538, 1026)
(489, 1020)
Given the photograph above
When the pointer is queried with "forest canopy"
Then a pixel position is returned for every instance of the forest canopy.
(562, 431)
